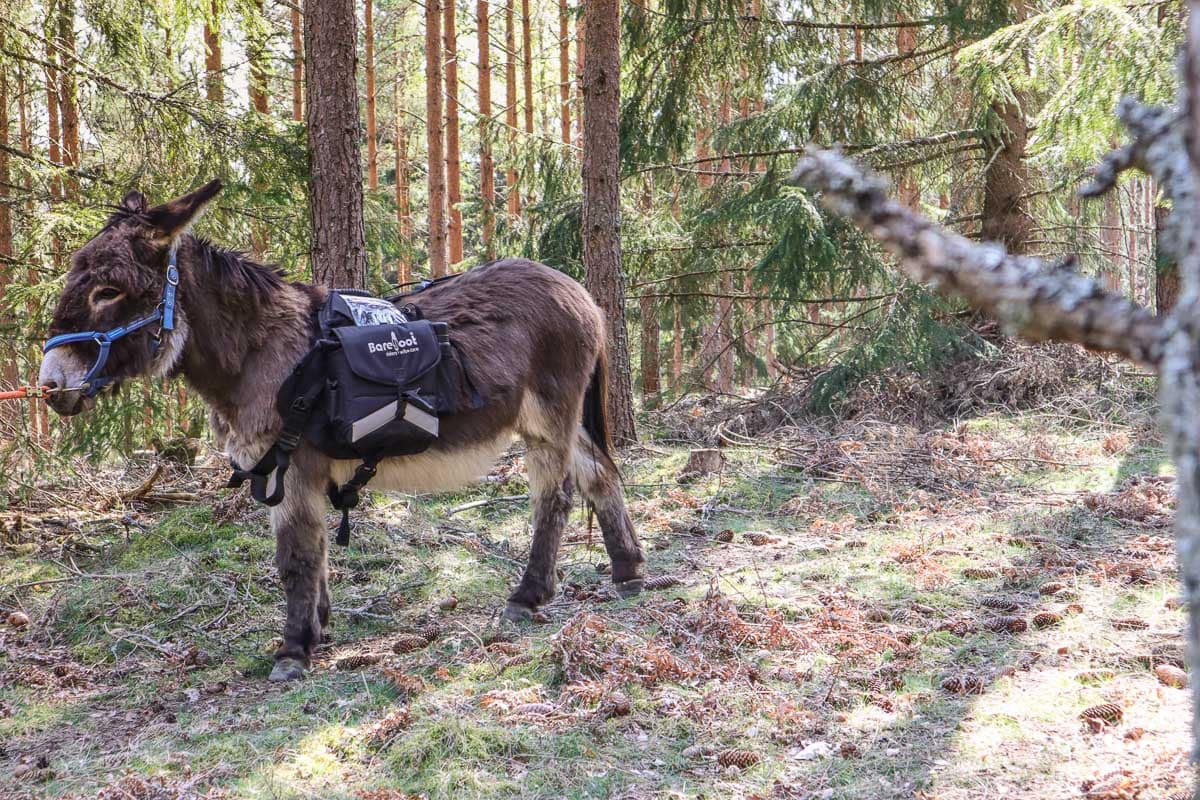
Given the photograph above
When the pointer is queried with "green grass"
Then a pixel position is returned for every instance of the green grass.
(186, 585)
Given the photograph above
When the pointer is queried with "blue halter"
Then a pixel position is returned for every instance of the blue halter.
(164, 313)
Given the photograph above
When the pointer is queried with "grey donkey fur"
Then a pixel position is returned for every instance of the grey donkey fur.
(534, 340)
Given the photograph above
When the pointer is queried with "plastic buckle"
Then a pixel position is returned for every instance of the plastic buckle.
(289, 441)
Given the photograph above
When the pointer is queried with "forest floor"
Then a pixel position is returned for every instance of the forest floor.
(855, 617)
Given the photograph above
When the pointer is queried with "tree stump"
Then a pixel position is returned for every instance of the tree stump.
(705, 461)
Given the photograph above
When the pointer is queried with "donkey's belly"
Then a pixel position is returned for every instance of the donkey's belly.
(433, 470)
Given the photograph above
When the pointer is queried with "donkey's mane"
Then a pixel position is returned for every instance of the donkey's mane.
(239, 273)
(231, 268)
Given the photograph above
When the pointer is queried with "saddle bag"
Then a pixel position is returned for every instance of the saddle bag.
(374, 385)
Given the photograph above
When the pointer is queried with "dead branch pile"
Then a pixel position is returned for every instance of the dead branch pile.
(1015, 376)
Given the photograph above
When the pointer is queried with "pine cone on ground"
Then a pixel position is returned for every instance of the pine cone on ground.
(742, 759)
(407, 643)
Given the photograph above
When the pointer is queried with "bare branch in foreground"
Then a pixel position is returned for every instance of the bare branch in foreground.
(1036, 300)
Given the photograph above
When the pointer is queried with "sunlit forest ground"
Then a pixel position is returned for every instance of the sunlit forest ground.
(860, 607)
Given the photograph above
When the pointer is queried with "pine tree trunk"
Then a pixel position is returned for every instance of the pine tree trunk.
(259, 103)
(67, 94)
(331, 107)
(487, 168)
(580, 49)
(433, 138)
(53, 129)
(602, 201)
(372, 128)
(297, 66)
(510, 111)
(564, 71)
(527, 64)
(214, 80)
(727, 360)
(38, 423)
(8, 362)
(650, 335)
(1166, 268)
(403, 204)
(259, 99)
(1005, 219)
(453, 148)
(403, 199)
(677, 346)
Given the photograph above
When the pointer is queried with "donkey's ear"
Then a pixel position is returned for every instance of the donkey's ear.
(173, 218)
(135, 202)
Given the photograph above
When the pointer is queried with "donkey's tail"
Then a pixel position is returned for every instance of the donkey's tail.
(595, 406)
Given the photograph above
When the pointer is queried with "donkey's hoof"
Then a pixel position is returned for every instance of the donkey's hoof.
(287, 669)
(517, 613)
(628, 589)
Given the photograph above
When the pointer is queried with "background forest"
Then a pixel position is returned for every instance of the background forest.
(891, 552)
(985, 114)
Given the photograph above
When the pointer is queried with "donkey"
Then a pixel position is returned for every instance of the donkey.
(533, 338)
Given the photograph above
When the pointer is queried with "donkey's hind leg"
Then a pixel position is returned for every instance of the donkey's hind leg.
(300, 554)
(550, 492)
(598, 480)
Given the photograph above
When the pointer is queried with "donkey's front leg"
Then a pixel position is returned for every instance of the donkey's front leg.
(550, 490)
(300, 553)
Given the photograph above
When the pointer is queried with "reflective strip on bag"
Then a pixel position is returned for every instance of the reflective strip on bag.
(372, 422)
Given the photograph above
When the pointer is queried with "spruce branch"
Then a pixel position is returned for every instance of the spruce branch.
(1030, 297)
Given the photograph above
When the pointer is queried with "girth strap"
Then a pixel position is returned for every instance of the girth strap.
(266, 477)
(347, 497)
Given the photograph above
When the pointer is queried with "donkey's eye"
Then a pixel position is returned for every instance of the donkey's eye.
(106, 294)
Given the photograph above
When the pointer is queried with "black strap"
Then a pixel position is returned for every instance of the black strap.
(476, 398)
(347, 496)
(266, 477)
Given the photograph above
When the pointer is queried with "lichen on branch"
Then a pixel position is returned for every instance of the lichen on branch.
(1037, 300)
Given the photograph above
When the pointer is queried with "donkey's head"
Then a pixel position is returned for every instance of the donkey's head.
(116, 279)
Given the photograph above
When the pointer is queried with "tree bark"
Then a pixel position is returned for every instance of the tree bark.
(257, 47)
(297, 66)
(68, 96)
(651, 385)
(38, 421)
(1006, 178)
(403, 203)
(512, 194)
(214, 80)
(369, 67)
(1166, 268)
(331, 108)
(403, 194)
(527, 64)
(53, 129)
(727, 357)
(677, 345)
(602, 201)
(580, 50)
(453, 148)
(433, 138)
(487, 167)
(564, 71)
(8, 365)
